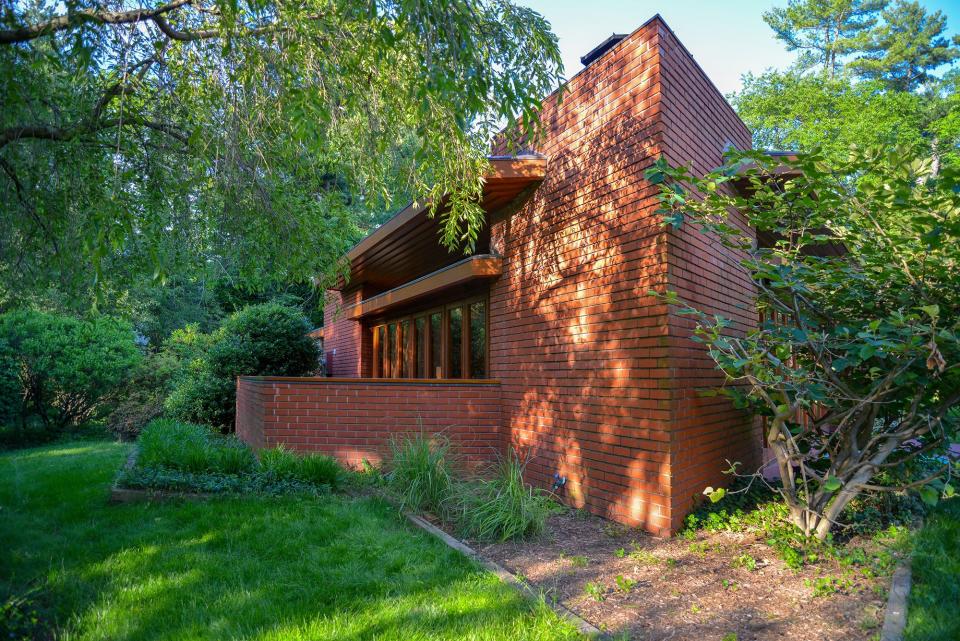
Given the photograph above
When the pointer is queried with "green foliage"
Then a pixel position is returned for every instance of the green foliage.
(795, 111)
(503, 507)
(310, 468)
(862, 316)
(143, 396)
(824, 586)
(263, 339)
(60, 370)
(421, 471)
(187, 457)
(936, 566)
(497, 508)
(595, 590)
(824, 32)
(907, 46)
(244, 135)
(260, 340)
(166, 443)
(252, 482)
(625, 584)
(23, 617)
(350, 563)
(877, 85)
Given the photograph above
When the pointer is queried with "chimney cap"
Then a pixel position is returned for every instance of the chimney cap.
(602, 48)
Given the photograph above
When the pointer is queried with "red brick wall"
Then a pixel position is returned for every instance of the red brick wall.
(599, 381)
(343, 339)
(706, 432)
(578, 345)
(355, 419)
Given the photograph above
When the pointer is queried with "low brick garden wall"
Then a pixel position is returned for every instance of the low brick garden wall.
(354, 419)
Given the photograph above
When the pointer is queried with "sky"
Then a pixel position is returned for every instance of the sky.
(727, 37)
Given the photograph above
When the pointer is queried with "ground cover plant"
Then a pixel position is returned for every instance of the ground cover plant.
(280, 569)
(172, 455)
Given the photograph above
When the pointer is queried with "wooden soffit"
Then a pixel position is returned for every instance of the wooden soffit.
(478, 267)
(408, 244)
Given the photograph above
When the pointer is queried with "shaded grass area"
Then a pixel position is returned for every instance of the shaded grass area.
(236, 568)
(933, 612)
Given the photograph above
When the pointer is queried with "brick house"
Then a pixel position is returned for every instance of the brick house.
(546, 339)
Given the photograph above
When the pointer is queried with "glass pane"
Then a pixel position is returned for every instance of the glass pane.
(405, 349)
(478, 340)
(391, 370)
(381, 355)
(455, 345)
(420, 353)
(436, 345)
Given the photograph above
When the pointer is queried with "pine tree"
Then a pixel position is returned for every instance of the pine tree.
(824, 31)
(907, 46)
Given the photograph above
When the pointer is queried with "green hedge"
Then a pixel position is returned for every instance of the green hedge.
(260, 340)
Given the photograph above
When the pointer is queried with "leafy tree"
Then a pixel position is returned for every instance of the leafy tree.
(260, 340)
(67, 369)
(824, 31)
(179, 135)
(793, 111)
(906, 47)
(856, 365)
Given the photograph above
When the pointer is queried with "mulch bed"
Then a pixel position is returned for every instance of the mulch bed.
(689, 590)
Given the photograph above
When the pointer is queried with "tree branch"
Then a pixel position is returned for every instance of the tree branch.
(71, 19)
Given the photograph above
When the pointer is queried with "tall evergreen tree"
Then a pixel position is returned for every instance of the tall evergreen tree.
(824, 31)
(907, 46)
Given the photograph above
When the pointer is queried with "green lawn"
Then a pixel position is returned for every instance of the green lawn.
(933, 612)
(239, 568)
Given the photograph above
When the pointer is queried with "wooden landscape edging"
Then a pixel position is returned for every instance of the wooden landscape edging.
(504, 575)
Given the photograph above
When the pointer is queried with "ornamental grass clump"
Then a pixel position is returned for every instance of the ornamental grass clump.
(422, 472)
(503, 507)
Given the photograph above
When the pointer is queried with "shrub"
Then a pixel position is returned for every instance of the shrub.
(504, 507)
(422, 472)
(167, 443)
(260, 340)
(62, 371)
(142, 398)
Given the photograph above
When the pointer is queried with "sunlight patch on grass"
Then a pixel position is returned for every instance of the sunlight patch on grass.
(276, 569)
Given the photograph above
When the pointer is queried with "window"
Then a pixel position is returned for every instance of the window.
(455, 342)
(446, 342)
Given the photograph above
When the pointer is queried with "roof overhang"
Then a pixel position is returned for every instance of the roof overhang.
(478, 267)
(408, 244)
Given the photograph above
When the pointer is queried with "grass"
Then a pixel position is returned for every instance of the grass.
(503, 507)
(422, 472)
(271, 569)
(935, 594)
(183, 456)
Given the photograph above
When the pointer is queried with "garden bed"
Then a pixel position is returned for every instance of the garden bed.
(723, 585)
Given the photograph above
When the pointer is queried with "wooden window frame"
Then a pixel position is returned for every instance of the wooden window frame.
(408, 352)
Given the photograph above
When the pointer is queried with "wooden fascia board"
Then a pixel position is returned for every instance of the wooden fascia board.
(472, 268)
